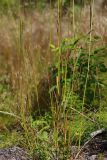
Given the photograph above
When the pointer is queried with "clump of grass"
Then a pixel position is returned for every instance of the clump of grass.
(8, 140)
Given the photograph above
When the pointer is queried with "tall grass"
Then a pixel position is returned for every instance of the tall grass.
(54, 77)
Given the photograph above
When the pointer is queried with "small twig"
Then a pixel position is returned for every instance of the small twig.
(83, 115)
(10, 114)
(83, 148)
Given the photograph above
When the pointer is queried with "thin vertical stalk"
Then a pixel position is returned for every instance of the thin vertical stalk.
(73, 10)
(73, 50)
(59, 42)
(90, 47)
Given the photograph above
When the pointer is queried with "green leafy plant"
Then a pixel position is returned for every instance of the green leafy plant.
(72, 71)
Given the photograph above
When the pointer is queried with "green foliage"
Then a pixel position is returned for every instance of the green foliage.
(42, 128)
(6, 97)
(46, 135)
(7, 2)
(7, 104)
(8, 139)
(8, 5)
(73, 72)
(102, 117)
(69, 114)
